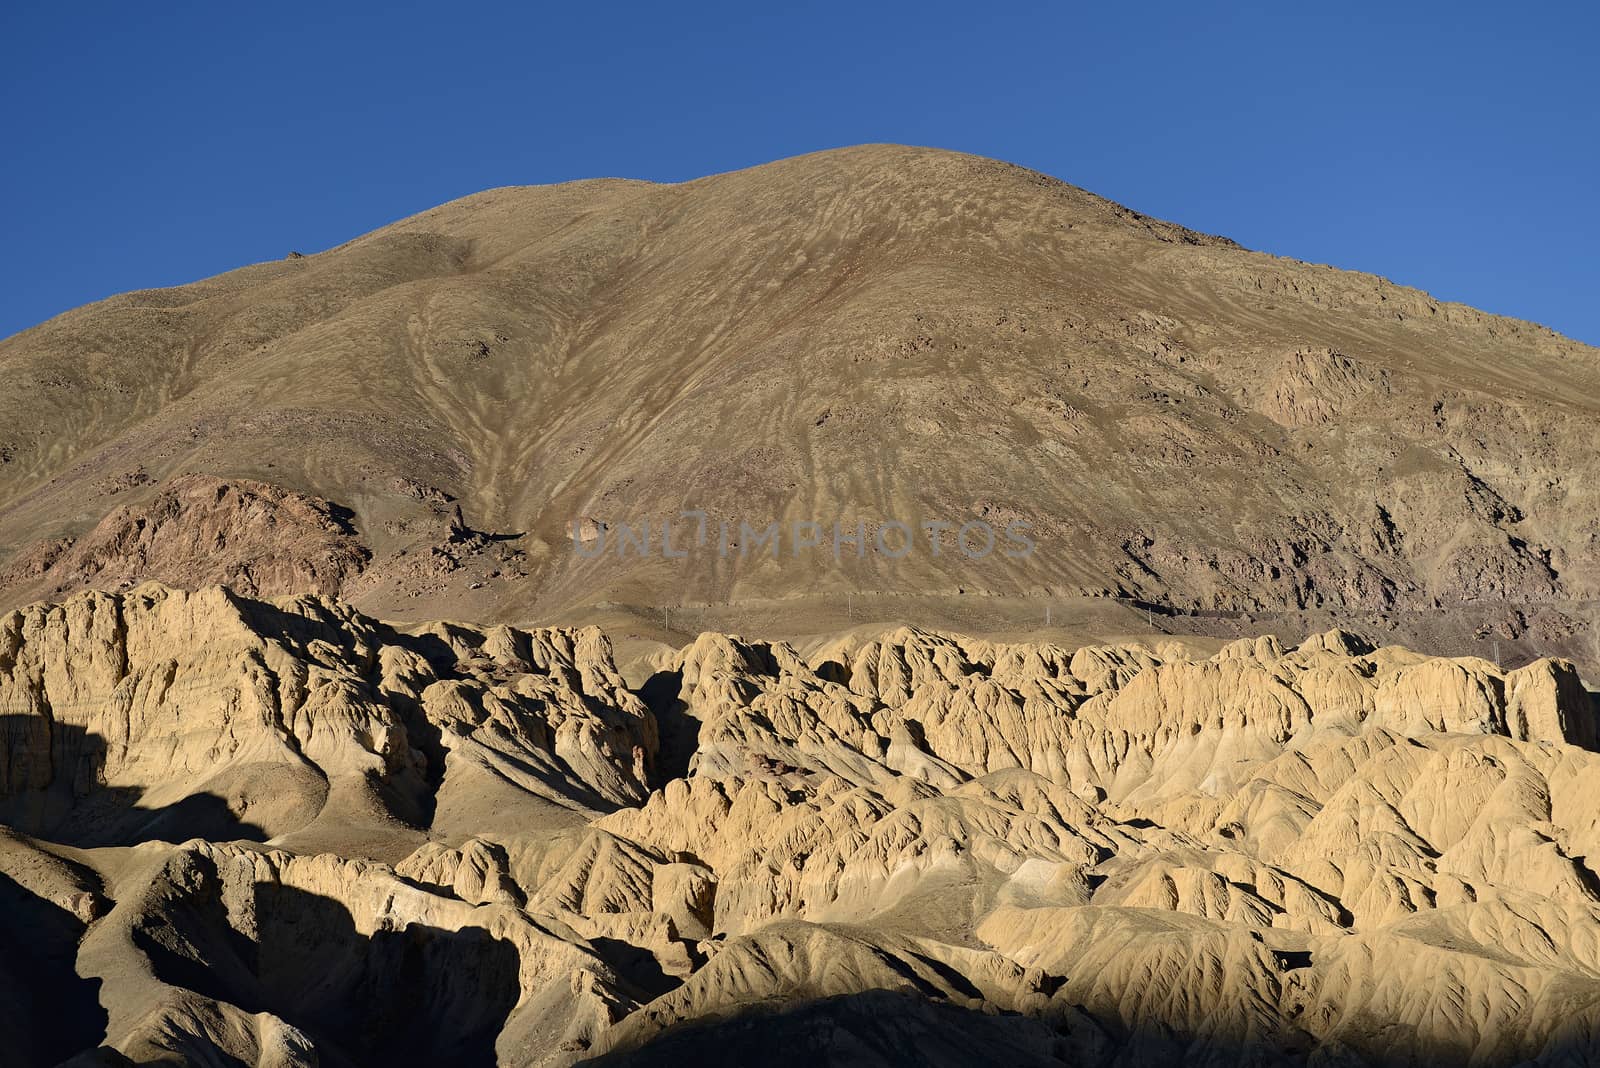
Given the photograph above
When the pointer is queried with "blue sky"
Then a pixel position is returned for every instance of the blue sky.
(1454, 147)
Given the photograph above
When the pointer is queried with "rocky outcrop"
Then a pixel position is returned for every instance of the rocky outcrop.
(343, 961)
(908, 844)
(159, 713)
(254, 537)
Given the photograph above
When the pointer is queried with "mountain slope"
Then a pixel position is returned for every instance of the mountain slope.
(862, 335)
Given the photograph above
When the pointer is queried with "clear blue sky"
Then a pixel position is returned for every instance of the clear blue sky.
(1451, 146)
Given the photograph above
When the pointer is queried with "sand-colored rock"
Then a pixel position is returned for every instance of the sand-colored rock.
(909, 845)
(160, 713)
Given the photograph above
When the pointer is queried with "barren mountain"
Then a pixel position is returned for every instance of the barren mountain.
(478, 845)
(859, 336)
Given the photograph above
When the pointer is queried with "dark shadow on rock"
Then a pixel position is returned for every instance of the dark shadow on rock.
(458, 532)
(51, 787)
(343, 518)
(47, 1012)
(835, 671)
(884, 1028)
(419, 995)
(417, 807)
(636, 965)
(876, 1027)
(432, 648)
(315, 621)
(413, 802)
(678, 731)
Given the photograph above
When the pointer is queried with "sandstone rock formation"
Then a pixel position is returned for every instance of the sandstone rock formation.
(140, 713)
(280, 832)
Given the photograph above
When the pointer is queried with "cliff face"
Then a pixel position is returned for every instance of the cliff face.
(136, 714)
(866, 335)
(480, 843)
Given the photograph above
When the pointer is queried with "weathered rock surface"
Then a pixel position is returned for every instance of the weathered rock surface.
(906, 847)
(160, 713)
